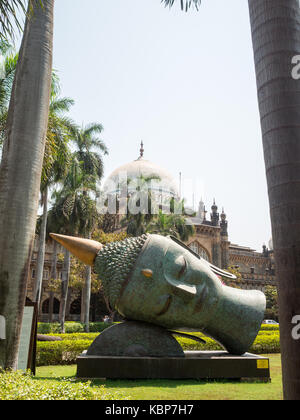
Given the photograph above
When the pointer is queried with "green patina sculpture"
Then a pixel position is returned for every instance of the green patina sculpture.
(158, 280)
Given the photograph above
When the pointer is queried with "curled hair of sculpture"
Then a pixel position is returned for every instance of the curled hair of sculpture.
(114, 264)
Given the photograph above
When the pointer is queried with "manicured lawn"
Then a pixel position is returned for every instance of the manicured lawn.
(180, 390)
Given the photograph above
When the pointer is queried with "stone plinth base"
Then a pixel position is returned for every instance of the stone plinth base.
(195, 365)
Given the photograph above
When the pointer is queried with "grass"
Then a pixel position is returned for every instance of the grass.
(179, 390)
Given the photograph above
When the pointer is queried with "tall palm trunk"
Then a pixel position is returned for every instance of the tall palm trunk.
(37, 291)
(87, 295)
(53, 275)
(276, 40)
(82, 308)
(20, 171)
(64, 288)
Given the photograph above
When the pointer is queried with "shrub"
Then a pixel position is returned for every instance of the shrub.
(60, 352)
(264, 343)
(22, 386)
(70, 327)
(269, 327)
(72, 345)
(77, 336)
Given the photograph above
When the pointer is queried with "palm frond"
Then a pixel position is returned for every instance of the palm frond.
(185, 4)
(7, 73)
(9, 10)
(61, 105)
(92, 129)
(10, 14)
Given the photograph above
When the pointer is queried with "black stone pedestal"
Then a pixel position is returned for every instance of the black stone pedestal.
(195, 365)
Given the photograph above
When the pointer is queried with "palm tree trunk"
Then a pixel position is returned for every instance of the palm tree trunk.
(82, 311)
(87, 296)
(64, 289)
(276, 40)
(37, 291)
(53, 275)
(20, 171)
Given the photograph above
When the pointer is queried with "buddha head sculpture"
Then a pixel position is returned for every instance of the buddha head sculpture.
(159, 280)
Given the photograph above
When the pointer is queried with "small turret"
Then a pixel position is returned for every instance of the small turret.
(142, 150)
(224, 224)
(215, 217)
(201, 210)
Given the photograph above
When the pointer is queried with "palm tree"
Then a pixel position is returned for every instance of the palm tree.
(276, 39)
(55, 223)
(136, 223)
(89, 149)
(171, 224)
(21, 169)
(56, 160)
(76, 210)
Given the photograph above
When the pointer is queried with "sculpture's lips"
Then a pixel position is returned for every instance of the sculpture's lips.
(200, 301)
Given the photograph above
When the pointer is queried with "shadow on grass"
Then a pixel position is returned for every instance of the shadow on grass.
(161, 383)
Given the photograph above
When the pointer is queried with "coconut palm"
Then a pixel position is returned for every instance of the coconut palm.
(56, 149)
(171, 224)
(276, 38)
(75, 208)
(21, 168)
(90, 149)
(56, 160)
(140, 203)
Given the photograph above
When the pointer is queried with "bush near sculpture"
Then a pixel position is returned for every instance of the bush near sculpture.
(70, 327)
(72, 345)
(98, 327)
(22, 386)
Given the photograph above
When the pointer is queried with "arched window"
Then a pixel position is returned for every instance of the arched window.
(75, 308)
(46, 305)
(199, 250)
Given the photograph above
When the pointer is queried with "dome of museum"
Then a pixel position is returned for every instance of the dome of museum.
(142, 168)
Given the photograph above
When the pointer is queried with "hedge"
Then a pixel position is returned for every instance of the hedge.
(70, 327)
(60, 352)
(22, 386)
(72, 345)
(77, 327)
(269, 327)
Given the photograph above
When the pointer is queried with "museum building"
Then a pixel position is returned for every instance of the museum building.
(210, 241)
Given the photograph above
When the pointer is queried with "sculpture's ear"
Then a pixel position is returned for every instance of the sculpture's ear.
(183, 290)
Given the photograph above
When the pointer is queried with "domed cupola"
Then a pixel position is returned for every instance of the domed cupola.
(159, 180)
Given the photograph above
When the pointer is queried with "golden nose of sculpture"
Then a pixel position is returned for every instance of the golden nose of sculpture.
(84, 249)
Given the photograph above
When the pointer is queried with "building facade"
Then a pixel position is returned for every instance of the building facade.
(211, 241)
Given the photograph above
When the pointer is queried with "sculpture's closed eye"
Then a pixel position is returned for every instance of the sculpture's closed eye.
(174, 270)
(183, 268)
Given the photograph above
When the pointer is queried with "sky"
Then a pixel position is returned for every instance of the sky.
(184, 83)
